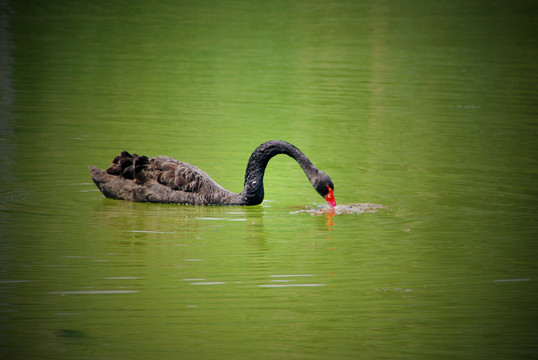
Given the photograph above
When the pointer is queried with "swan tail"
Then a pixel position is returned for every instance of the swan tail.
(97, 174)
(116, 187)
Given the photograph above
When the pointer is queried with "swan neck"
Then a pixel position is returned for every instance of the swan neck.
(253, 191)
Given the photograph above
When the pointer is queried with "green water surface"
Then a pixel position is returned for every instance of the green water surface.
(426, 107)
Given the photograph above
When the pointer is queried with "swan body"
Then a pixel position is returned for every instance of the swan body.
(163, 179)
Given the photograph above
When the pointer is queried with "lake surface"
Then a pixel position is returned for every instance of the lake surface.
(426, 108)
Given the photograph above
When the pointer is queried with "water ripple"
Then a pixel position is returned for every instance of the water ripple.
(93, 292)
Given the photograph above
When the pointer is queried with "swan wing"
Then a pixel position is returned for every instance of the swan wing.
(165, 170)
(161, 179)
(176, 175)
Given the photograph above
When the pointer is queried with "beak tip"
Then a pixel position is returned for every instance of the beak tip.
(330, 198)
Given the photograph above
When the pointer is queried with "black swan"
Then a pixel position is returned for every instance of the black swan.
(163, 179)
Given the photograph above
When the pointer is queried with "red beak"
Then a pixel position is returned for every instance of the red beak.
(330, 197)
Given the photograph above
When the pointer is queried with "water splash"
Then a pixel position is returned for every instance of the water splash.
(348, 209)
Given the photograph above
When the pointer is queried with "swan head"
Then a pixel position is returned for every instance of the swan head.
(325, 187)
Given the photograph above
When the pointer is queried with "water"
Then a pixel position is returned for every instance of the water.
(428, 109)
